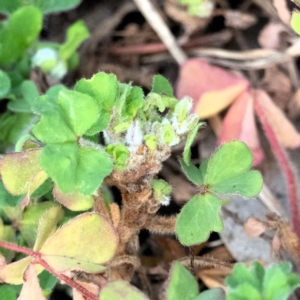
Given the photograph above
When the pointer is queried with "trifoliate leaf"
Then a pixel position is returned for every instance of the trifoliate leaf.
(63, 171)
(86, 253)
(47, 104)
(133, 102)
(228, 171)
(4, 84)
(93, 166)
(54, 129)
(79, 110)
(161, 86)
(198, 218)
(276, 282)
(247, 185)
(121, 290)
(104, 89)
(182, 285)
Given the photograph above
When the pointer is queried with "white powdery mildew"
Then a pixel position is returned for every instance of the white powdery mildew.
(134, 136)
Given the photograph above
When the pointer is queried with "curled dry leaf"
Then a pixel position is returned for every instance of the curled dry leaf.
(239, 124)
(212, 88)
(254, 227)
(31, 288)
(282, 127)
(270, 36)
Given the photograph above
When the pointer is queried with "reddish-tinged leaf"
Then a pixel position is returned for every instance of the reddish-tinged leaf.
(212, 88)
(284, 130)
(239, 124)
(73, 201)
(84, 243)
(35, 182)
(13, 272)
(47, 225)
(18, 169)
(31, 288)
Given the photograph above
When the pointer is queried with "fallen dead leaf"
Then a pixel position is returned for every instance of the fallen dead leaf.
(212, 88)
(282, 127)
(239, 124)
(254, 227)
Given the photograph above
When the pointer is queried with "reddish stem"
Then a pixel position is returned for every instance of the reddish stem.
(38, 260)
(282, 158)
(17, 248)
(67, 280)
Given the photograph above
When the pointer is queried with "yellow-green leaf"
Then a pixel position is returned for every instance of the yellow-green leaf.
(84, 243)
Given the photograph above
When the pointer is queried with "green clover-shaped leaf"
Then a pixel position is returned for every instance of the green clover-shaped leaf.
(228, 171)
(182, 284)
(198, 218)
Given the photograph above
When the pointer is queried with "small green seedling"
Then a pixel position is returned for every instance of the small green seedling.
(227, 172)
(276, 282)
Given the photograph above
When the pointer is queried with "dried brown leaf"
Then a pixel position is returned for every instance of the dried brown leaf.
(254, 227)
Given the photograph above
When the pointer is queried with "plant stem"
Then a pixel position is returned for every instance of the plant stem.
(283, 161)
(38, 260)
(17, 248)
(67, 280)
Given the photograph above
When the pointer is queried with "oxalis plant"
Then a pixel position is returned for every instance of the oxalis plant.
(105, 133)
